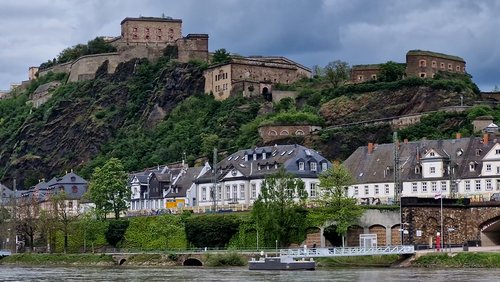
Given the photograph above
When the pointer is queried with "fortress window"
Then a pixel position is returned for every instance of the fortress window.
(441, 65)
(134, 29)
(147, 37)
(147, 30)
(360, 77)
(134, 36)
(422, 74)
(159, 30)
(450, 67)
(158, 37)
(434, 64)
(374, 76)
(422, 63)
(457, 68)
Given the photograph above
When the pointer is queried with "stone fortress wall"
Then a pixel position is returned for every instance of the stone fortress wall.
(424, 64)
(144, 37)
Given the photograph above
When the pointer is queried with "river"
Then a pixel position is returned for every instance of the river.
(15, 273)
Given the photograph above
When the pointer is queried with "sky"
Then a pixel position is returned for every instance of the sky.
(310, 32)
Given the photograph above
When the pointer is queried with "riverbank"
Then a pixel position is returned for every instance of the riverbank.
(427, 260)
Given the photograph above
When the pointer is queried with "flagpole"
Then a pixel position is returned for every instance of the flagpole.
(442, 234)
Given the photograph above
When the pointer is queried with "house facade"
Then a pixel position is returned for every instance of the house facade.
(71, 184)
(239, 177)
(252, 76)
(453, 168)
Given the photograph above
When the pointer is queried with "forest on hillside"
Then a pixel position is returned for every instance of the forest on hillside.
(158, 114)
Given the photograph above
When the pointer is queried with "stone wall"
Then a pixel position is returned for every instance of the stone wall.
(147, 30)
(280, 94)
(66, 68)
(274, 132)
(426, 66)
(193, 47)
(84, 68)
(362, 73)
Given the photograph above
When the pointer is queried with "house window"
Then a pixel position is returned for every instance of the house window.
(367, 190)
(204, 194)
(228, 192)
(314, 166)
(498, 169)
(235, 192)
(414, 187)
(471, 167)
(73, 179)
(219, 192)
(433, 170)
(434, 186)
(253, 190)
(424, 187)
(70, 205)
(242, 191)
(417, 169)
(498, 184)
(74, 189)
(301, 165)
(324, 166)
(356, 191)
(497, 152)
(422, 63)
(478, 185)
(444, 186)
(313, 190)
(467, 185)
(489, 187)
(376, 190)
(488, 167)
(387, 188)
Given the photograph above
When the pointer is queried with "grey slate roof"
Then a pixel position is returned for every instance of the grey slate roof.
(287, 156)
(184, 181)
(378, 166)
(72, 184)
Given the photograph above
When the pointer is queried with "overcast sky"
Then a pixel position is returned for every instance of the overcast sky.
(311, 32)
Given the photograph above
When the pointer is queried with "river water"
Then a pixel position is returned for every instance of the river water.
(15, 273)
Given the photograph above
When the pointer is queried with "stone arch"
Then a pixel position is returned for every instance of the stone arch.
(192, 262)
(313, 237)
(380, 231)
(395, 235)
(331, 236)
(353, 235)
(284, 132)
(490, 231)
(299, 132)
(429, 231)
(272, 133)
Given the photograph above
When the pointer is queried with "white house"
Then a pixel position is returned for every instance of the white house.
(239, 176)
(462, 167)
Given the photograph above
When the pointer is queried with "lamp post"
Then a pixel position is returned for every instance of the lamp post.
(276, 247)
(451, 229)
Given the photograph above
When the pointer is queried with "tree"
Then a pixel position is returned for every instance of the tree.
(64, 214)
(221, 56)
(334, 204)
(213, 231)
(279, 210)
(391, 71)
(337, 72)
(108, 188)
(28, 218)
(92, 229)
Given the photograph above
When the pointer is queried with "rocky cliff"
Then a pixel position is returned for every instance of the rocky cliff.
(71, 128)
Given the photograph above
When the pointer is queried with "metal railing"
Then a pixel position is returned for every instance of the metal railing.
(354, 251)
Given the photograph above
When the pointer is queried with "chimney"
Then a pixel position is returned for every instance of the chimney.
(370, 148)
(458, 135)
(405, 140)
(485, 138)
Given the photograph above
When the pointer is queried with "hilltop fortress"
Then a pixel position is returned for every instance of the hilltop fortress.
(143, 37)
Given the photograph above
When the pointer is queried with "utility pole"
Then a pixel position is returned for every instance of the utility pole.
(397, 183)
(214, 182)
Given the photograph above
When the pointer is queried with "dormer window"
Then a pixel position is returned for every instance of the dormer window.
(324, 166)
(459, 152)
(73, 179)
(472, 166)
(497, 152)
(301, 165)
(254, 157)
(478, 152)
(417, 169)
(432, 154)
(264, 156)
(314, 166)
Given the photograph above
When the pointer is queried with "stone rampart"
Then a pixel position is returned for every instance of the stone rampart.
(84, 68)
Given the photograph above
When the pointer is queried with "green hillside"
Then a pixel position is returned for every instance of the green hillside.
(153, 113)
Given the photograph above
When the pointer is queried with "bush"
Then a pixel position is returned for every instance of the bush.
(116, 231)
(230, 259)
(213, 231)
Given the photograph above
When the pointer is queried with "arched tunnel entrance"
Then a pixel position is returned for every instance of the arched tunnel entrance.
(331, 235)
(192, 262)
(490, 232)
